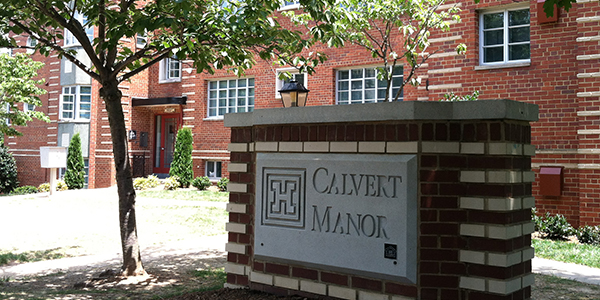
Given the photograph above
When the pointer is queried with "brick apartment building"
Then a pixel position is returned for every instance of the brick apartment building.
(514, 52)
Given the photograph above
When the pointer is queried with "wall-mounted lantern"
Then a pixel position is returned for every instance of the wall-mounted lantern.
(132, 135)
(293, 94)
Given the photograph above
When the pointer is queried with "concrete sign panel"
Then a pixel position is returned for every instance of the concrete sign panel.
(353, 213)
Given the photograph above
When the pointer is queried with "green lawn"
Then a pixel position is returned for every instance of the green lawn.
(72, 224)
(186, 194)
(568, 252)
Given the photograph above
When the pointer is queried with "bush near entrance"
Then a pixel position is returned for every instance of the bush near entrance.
(182, 165)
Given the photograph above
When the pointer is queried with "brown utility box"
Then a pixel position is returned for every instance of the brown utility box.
(551, 181)
(541, 14)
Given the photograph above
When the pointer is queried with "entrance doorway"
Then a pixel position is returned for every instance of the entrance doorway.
(166, 131)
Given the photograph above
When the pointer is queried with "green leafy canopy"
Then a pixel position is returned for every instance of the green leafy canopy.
(18, 87)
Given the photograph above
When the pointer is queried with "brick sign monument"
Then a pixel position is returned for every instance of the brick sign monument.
(404, 200)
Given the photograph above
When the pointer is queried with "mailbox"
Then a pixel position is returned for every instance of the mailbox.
(541, 14)
(551, 181)
(53, 157)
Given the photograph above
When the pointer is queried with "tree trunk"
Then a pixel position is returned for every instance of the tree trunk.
(132, 261)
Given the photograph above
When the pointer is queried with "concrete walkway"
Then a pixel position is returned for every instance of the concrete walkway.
(204, 247)
(565, 270)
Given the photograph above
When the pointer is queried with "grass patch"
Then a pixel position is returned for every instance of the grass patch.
(7, 257)
(212, 279)
(582, 254)
(190, 195)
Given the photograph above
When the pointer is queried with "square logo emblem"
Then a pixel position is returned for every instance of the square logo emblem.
(283, 197)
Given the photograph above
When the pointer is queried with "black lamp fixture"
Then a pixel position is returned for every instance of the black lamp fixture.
(293, 94)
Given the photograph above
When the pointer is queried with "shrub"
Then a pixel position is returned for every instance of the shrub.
(61, 186)
(172, 183)
(75, 175)
(453, 97)
(537, 220)
(222, 184)
(44, 187)
(182, 165)
(152, 181)
(8, 171)
(24, 190)
(142, 183)
(556, 227)
(588, 235)
(201, 183)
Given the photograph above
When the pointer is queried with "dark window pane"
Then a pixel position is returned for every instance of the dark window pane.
(493, 54)
(343, 85)
(520, 34)
(357, 95)
(369, 83)
(343, 74)
(357, 73)
(493, 20)
(357, 85)
(493, 37)
(516, 52)
(343, 96)
(518, 17)
(398, 71)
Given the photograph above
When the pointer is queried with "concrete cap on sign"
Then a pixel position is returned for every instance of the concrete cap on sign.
(389, 111)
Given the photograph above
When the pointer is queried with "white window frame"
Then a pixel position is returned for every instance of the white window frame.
(31, 42)
(288, 5)
(216, 108)
(279, 83)
(68, 66)
(28, 107)
(338, 81)
(141, 40)
(77, 103)
(167, 69)
(69, 38)
(506, 43)
(214, 169)
(7, 111)
(7, 51)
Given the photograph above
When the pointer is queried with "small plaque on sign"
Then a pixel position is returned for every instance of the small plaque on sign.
(391, 251)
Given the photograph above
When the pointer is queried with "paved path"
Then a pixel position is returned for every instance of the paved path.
(205, 247)
(566, 270)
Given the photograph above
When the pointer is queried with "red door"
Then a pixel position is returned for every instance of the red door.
(166, 131)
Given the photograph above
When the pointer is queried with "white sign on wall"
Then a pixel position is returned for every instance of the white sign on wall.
(355, 213)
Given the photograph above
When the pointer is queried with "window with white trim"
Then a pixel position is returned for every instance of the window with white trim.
(170, 70)
(504, 36)
(362, 86)
(6, 110)
(28, 107)
(141, 41)
(76, 102)
(213, 169)
(285, 5)
(230, 96)
(31, 42)
(299, 77)
(70, 39)
(7, 51)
